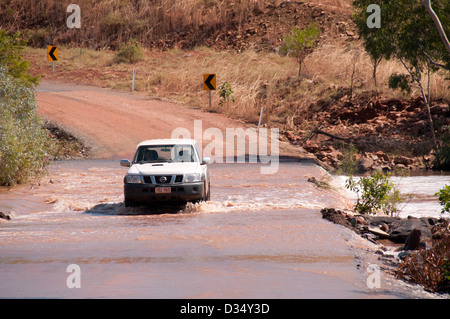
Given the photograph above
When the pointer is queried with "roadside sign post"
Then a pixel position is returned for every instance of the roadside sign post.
(260, 117)
(209, 84)
(209, 100)
(52, 55)
(134, 78)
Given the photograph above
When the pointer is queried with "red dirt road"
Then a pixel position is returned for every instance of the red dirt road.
(112, 123)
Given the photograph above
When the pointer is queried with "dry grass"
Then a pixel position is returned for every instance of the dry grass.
(256, 78)
(108, 23)
(336, 63)
(177, 74)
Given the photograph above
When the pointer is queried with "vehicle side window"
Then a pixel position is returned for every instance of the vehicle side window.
(199, 153)
(139, 155)
(184, 153)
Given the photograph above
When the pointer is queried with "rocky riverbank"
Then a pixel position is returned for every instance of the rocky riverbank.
(415, 249)
(380, 133)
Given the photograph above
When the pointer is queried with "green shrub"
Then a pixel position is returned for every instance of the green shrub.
(131, 52)
(11, 47)
(24, 142)
(225, 93)
(300, 43)
(444, 198)
(378, 194)
(446, 268)
(400, 81)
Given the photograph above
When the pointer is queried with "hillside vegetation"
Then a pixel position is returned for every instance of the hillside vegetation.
(175, 42)
(106, 24)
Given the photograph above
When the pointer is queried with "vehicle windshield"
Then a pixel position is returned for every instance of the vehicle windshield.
(165, 153)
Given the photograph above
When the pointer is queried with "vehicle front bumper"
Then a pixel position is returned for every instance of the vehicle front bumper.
(145, 193)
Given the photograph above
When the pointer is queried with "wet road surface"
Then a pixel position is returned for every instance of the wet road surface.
(260, 236)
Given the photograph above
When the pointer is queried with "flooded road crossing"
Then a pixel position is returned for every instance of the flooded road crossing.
(260, 236)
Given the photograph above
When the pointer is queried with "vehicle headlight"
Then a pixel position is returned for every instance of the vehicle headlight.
(192, 178)
(134, 179)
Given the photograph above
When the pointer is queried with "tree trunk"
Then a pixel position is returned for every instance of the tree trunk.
(299, 68)
(437, 22)
(426, 102)
(430, 119)
(375, 62)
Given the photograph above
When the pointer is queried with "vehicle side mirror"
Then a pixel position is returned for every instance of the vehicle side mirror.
(206, 160)
(125, 163)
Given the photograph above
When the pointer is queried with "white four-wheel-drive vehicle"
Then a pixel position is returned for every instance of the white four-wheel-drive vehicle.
(166, 170)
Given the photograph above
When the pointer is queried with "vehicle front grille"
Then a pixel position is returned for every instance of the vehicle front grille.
(163, 179)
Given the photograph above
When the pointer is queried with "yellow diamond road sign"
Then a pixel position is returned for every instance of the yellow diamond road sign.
(52, 53)
(209, 82)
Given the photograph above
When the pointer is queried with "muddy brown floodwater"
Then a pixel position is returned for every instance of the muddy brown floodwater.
(260, 236)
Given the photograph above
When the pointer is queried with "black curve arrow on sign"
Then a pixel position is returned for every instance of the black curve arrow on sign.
(208, 82)
(52, 50)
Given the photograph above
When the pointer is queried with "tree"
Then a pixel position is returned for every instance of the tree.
(444, 198)
(11, 47)
(407, 33)
(378, 194)
(300, 43)
(24, 143)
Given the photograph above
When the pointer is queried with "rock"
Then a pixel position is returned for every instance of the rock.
(7, 216)
(382, 168)
(382, 222)
(322, 155)
(431, 221)
(328, 149)
(403, 160)
(358, 221)
(365, 164)
(413, 240)
(377, 231)
(382, 156)
(384, 227)
(311, 147)
(337, 217)
(401, 229)
(371, 237)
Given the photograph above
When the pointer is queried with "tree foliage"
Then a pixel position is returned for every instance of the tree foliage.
(11, 47)
(444, 198)
(407, 33)
(225, 93)
(300, 43)
(378, 194)
(24, 142)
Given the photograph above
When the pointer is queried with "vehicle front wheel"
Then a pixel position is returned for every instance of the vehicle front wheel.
(207, 196)
(128, 203)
